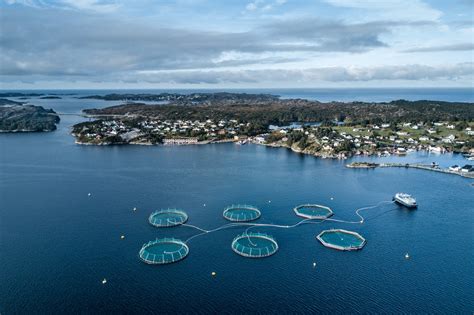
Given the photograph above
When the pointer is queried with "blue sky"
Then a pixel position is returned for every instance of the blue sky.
(256, 43)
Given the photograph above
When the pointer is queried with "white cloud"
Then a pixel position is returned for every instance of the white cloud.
(99, 6)
(263, 5)
(251, 6)
(91, 5)
(408, 72)
(410, 10)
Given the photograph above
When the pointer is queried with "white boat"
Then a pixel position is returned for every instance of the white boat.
(242, 142)
(405, 200)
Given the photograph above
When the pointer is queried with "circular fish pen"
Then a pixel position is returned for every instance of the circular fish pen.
(168, 218)
(341, 239)
(241, 213)
(163, 251)
(313, 211)
(254, 245)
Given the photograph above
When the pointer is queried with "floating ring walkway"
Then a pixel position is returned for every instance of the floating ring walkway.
(168, 218)
(163, 251)
(313, 211)
(254, 245)
(241, 213)
(341, 239)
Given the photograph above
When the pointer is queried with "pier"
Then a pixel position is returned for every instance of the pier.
(411, 165)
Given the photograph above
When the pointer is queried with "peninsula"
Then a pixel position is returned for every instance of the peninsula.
(333, 130)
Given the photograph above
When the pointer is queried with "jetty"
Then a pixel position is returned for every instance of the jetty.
(427, 167)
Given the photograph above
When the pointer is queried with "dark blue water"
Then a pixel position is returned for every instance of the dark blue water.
(57, 244)
(320, 94)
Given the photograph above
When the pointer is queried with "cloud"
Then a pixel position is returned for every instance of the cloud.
(323, 74)
(74, 42)
(93, 5)
(412, 10)
(263, 5)
(94, 45)
(453, 47)
(99, 6)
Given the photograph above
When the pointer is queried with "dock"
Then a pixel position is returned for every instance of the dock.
(426, 167)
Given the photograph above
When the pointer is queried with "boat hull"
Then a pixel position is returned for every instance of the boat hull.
(407, 205)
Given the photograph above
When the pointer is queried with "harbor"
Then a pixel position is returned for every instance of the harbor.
(465, 171)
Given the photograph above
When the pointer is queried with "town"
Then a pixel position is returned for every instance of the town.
(328, 140)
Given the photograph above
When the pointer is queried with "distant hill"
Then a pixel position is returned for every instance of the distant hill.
(268, 109)
(15, 117)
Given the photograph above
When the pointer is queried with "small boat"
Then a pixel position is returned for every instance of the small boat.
(407, 256)
(242, 142)
(405, 200)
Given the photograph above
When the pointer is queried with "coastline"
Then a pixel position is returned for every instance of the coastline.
(367, 165)
(26, 131)
(154, 144)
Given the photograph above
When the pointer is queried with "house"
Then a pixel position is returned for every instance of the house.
(449, 139)
(260, 139)
(467, 168)
(455, 168)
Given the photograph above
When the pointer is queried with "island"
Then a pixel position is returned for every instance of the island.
(50, 97)
(329, 130)
(17, 117)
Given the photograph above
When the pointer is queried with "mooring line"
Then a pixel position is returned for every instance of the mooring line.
(305, 221)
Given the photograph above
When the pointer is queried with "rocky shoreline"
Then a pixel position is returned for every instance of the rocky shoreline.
(18, 118)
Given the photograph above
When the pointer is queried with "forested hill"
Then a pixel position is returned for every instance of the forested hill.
(15, 117)
(277, 111)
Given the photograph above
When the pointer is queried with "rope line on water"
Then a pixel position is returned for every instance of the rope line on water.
(305, 221)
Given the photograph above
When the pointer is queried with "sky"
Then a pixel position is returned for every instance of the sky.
(65, 44)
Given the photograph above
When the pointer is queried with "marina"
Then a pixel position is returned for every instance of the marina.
(468, 173)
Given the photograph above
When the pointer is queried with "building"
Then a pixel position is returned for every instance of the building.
(467, 168)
